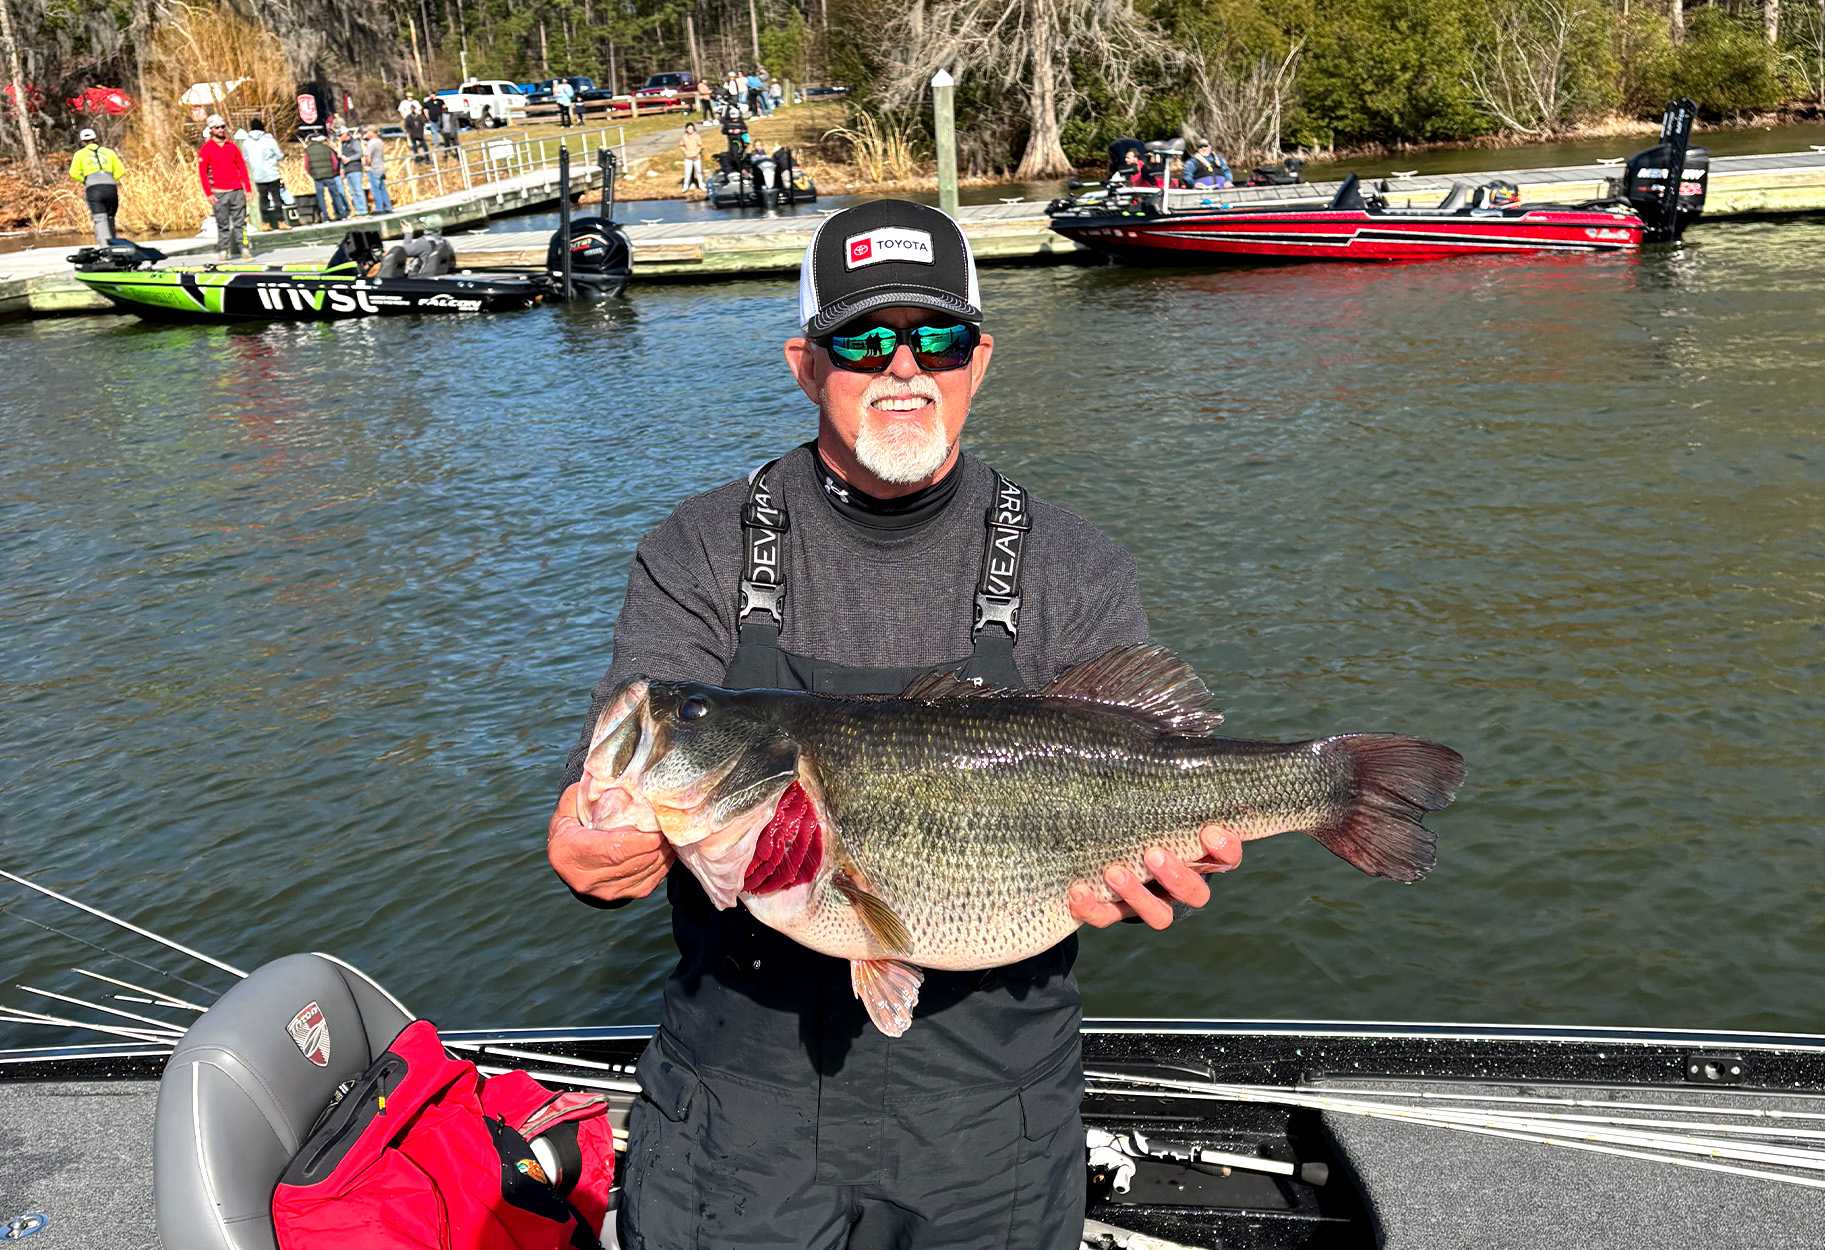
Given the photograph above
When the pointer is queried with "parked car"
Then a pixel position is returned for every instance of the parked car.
(540, 92)
(813, 93)
(487, 102)
(667, 86)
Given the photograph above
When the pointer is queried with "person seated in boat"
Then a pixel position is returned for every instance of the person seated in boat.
(773, 1114)
(1205, 168)
(1138, 170)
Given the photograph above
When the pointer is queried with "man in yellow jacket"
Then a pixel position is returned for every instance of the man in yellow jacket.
(99, 171)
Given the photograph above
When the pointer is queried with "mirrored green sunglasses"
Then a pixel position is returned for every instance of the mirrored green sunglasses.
(934, 348)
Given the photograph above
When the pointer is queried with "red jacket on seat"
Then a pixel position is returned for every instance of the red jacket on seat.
(423, 1153)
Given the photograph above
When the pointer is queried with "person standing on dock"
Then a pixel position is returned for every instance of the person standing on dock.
(374, 153)
(323, 165)
(434, 115)
(415, 131)
(772, 1114)
(449, 129)
(692, 147)
(222, 170)
(99, 171)
(350, 152)
(261, 152)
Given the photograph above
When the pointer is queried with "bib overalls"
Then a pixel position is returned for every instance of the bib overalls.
(774, 1113)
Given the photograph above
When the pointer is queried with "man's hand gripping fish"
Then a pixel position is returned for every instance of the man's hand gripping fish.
(945, 828)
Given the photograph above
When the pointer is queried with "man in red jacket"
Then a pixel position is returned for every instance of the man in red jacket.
(223, 172)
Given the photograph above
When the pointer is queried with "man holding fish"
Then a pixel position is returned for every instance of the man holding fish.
(871, 1038)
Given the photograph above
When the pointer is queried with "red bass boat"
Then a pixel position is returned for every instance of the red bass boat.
(1149, 225)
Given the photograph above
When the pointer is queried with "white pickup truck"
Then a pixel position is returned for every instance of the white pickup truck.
(487, 102)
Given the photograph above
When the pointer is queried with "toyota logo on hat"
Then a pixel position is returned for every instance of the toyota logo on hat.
(886, 254)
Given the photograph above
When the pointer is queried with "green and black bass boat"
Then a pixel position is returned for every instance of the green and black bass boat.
(361, 279)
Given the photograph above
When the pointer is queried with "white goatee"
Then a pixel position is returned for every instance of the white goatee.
(901, 449)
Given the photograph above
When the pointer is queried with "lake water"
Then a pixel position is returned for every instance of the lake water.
(297, 622)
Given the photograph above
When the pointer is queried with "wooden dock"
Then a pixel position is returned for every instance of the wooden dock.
(753, 245)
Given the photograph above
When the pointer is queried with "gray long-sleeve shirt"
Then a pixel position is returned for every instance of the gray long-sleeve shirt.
(864, 597)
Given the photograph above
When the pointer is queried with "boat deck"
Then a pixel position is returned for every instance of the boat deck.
(79, 1152)
(1431, 1189)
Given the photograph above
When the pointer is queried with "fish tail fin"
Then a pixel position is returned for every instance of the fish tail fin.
(1393, 782)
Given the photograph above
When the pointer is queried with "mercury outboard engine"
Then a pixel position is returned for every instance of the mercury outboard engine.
(118, 256)
(1285, 174)
(601, 260)
(1666, 184)
(766, 171)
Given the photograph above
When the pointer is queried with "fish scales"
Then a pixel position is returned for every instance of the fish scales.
(973, 820)
(946, 828)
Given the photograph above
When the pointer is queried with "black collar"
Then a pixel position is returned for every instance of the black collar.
(904, 512)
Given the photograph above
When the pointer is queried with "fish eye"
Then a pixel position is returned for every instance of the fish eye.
(694, 708)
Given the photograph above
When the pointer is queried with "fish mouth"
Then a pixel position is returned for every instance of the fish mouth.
(620, 747)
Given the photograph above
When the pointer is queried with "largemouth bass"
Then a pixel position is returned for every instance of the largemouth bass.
(944, 828)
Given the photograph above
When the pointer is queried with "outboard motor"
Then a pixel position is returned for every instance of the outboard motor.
(766, 169)
(1666, 184)
(118, 256)
(601, 259)
(1286, 174)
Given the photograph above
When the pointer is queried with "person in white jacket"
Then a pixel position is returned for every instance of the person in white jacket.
(262, 153)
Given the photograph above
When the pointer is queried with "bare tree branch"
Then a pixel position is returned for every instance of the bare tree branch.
(1238, 100)
(1028, 48)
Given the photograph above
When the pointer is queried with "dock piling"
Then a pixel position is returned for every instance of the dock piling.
(944, 126)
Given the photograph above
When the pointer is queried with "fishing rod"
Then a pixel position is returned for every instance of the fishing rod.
(1614, 1141)
(140, 963)
(19, 1015)
(1541, 1100)
(113, 1011)
(127, 925)
(1749, 1130)
(1751, 1152)
(163, 1000)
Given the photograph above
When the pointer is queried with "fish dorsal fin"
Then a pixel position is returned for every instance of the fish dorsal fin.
(1148, 680)
(943, 686)
(880, 920)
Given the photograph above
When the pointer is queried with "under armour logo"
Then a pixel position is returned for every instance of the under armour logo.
(832, 488)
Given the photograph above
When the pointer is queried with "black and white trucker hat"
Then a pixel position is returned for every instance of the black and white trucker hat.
(886, 254)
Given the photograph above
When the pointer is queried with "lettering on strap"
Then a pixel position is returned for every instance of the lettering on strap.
(763, 573)
(998, 592)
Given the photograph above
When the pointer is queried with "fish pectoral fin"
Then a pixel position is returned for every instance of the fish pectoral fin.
(890, 991)
(882, 923)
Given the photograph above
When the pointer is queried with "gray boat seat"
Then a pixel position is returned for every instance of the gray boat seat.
(1454, 199)
(245, 1086)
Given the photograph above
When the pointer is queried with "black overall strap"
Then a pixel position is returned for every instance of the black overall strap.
(763, 570)
(997, 615)
(998, 589)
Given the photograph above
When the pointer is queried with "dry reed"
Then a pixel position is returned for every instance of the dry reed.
(881, 151)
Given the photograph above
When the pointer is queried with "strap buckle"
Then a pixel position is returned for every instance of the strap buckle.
(1002, 610)
(762, 597)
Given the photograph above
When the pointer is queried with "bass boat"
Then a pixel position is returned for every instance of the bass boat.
(1154, 225)
(360, 279)
(1238, 1134)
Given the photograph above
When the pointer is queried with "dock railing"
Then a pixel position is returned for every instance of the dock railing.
(494, 159)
